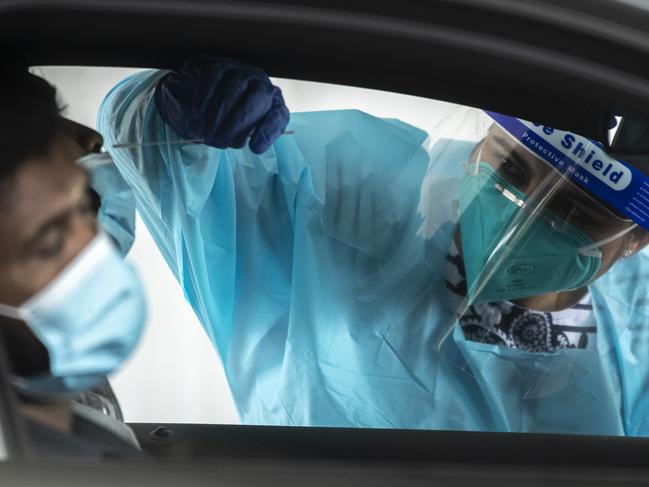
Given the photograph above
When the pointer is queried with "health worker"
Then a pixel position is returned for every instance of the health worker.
(354, 271)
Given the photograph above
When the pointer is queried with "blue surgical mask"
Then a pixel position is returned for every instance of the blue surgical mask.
(117, 202)
(89, 318)
(549, 257)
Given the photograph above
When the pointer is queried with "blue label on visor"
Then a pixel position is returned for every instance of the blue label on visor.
(616, 182)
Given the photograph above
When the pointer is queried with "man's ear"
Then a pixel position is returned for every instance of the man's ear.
(639, 240)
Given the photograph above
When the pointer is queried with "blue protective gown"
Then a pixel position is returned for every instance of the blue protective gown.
(307, 268)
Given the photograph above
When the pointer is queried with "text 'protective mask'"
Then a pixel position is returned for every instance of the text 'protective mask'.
(90, 318)
(549, 255)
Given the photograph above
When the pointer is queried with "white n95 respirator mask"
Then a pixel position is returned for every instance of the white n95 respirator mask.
(89, 318)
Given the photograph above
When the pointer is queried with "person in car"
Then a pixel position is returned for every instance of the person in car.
(71, 309)
(350, 276)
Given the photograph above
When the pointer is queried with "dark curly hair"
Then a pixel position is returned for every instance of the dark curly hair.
(30, 119)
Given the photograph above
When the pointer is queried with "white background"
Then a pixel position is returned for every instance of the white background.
(176, 375)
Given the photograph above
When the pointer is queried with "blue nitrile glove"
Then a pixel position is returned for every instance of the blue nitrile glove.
(223, 102)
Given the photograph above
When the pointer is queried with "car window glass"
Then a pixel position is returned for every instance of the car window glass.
(394, 262)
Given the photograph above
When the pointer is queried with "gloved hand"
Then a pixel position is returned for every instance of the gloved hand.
(223, 102)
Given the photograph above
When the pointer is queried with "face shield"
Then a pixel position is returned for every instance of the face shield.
(527, 229)
(538, 265)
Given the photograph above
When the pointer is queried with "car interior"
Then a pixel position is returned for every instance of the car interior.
(569, 65)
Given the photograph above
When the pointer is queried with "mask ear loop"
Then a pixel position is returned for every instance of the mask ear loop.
(593, 250)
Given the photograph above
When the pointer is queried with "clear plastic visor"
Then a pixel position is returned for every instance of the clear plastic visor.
(563, 202)
(533, 266)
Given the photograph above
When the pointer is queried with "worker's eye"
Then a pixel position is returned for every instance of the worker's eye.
(513, 172)
(592, 215)
(578, 213)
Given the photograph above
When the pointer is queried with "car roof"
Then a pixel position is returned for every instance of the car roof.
(552, 61)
